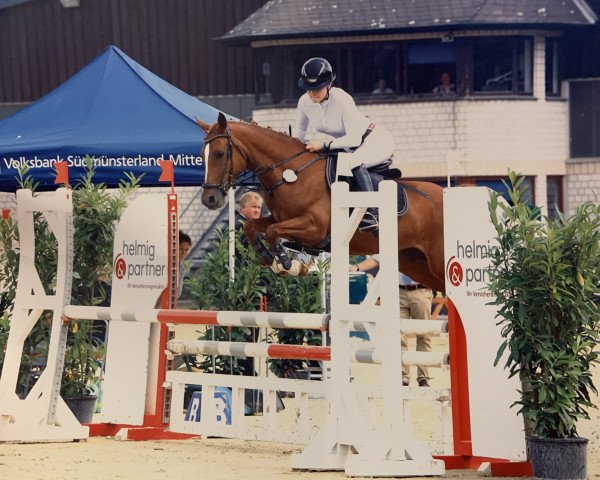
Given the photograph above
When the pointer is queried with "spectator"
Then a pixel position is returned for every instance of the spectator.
(382, 88)
(249, 208)
(446, 87)
(415, 302)
(185, 243)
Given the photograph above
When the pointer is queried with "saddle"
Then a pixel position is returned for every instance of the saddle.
(378, 173)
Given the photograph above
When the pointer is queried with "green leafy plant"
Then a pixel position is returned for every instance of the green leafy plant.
(83, 360)
(95, 214)
(545, 275)
(212, 289)
(301, 295)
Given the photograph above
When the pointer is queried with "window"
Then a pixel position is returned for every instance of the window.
(584, 118)
(554, 196)
(503, 65)
(476, 65)
(426, 63)
(371, 64)
(552, 82)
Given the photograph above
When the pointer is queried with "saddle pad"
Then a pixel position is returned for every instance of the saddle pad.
(402, 200)
(377, 175)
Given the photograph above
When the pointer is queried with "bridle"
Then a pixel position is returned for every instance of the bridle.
(230, 182)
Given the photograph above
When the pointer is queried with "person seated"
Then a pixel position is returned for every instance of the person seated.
(185, 243)
(446, 87)
(382, 88)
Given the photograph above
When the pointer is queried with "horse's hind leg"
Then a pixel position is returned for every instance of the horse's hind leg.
(436, 261)
(413, 263)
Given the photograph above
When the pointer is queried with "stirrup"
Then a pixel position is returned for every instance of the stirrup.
(369, 223)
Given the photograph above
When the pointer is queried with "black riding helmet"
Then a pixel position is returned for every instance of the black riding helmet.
(316, 73)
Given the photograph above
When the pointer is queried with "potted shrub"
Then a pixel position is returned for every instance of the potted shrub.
(544, 275)
(244, 292)
(81, 374)
(95, 213)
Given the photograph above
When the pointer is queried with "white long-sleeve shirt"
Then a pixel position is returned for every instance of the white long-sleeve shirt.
(337, 116)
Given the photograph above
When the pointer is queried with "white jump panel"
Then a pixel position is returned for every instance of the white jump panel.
(42, 415)
(496, 429)
(139, 277)
(268, 427)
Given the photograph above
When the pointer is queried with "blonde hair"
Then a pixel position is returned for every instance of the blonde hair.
(247, 197)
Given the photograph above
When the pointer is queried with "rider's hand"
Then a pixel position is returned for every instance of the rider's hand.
(314, 146)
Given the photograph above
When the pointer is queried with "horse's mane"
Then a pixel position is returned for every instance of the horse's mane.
(268, 131)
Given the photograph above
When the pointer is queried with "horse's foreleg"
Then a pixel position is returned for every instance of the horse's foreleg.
(254, 230)
(282, 256)
(304, 229)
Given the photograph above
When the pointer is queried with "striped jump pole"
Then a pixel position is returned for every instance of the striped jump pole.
(313, 321)
(308, 321)
(297, 352)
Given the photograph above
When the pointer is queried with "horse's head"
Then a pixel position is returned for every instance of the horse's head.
(223, 162)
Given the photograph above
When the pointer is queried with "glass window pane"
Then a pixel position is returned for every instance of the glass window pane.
(372, 64)
(584, 118)
(492, 66)
(552, 82)
(498, 62)
(554, 195)
(426, 63)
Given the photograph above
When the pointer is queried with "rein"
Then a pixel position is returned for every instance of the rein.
(230, 182)
(289, 176)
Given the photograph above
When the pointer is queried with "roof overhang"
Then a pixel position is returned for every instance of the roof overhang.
(447, 35)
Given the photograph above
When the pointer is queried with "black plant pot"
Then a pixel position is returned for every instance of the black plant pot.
(83, 407)
(558, 458)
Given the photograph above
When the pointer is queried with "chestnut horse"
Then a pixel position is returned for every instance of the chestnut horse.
(299, 201)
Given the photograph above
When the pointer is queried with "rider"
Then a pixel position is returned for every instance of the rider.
(333, 112)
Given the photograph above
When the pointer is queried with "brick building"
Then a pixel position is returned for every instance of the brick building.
(526, 73)
(523, 99)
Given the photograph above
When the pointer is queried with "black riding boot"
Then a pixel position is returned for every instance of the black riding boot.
(362, 180)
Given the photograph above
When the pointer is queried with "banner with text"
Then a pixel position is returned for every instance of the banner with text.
(189, 169)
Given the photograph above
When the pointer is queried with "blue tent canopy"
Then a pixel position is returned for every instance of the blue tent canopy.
(116, 111)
